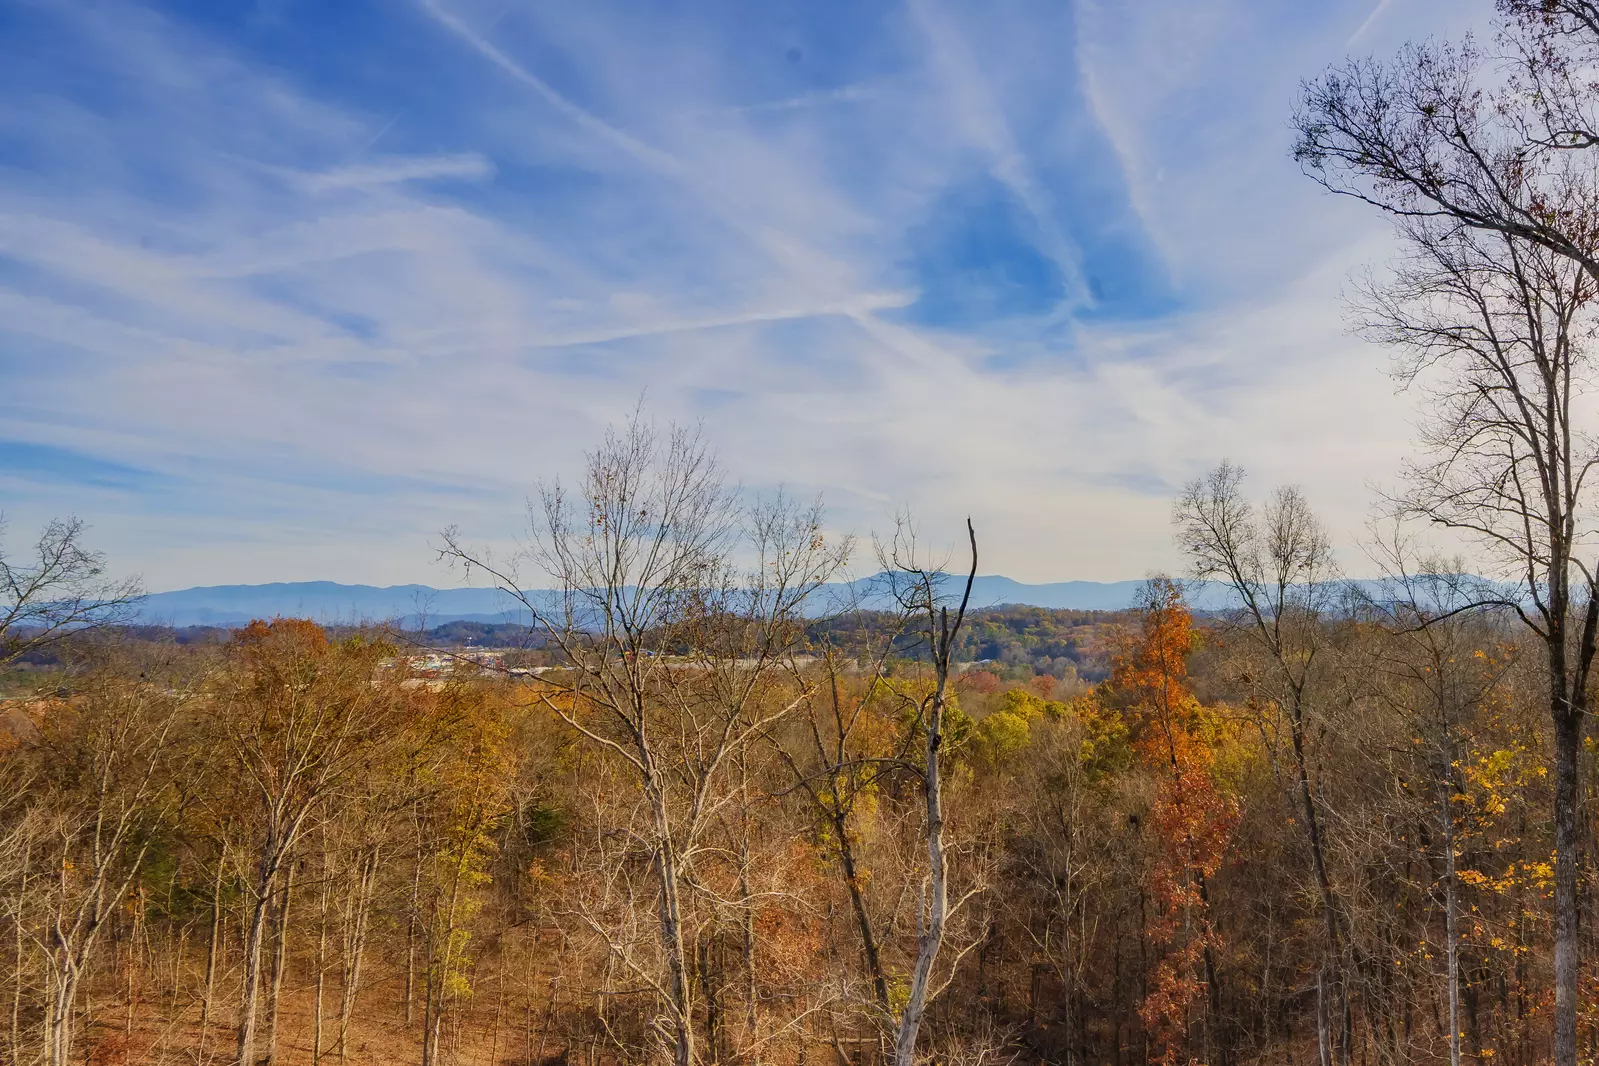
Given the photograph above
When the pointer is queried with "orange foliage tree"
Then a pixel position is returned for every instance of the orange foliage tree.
(1176, 738)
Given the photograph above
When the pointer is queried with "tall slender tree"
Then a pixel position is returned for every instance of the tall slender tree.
(1277, 562)
(919, 592)
(1494, 330)
(678, 610)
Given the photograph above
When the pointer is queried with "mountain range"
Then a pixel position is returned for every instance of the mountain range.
(329, 602)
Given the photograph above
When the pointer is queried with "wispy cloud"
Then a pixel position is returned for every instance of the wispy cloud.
(1369, 21)
(26, 461)
(469, 167)
(626, 142)
(977, 114)
(844, 94)
(273, 311)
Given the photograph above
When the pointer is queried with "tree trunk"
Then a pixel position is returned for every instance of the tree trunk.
(212, 956)
(1568, 742)
(1323, 1041)
(410, 942)
(73, 947)
(355, 949)
(73, 944)
(1212, 976)
(672, 941)
(935, 912)
(17, 955)
(133, 962)
(549, 1016)
(429, 1024)
(710, 989)
(1451, 937)
(863, 921)
(1329, 910)
(254, 935)
(321, 960)
(59, 1021)
(499, 1008)
(279, 964)
(747, 916)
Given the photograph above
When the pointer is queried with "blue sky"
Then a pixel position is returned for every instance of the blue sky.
(286, 287)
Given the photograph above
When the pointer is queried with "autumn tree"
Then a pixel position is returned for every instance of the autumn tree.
(839, 751)
(1191, 812)
(465, 796)
(299, 717)
(678, 609)
(94, 788)
(1439, 663)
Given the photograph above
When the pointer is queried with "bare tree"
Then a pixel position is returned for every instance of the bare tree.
(110, 756)
(1433, 683)
(1442, 131)
(299, 718)
(1279, 566)
(60, 589)
(918, 590)
(678, 610)
(358, 866)
(1495, 329)
(836, 769)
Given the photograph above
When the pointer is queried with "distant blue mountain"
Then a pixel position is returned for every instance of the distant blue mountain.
(990, 591)
(325, 601)
(328, 601)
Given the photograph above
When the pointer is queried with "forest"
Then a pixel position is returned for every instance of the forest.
(702, 820)
(705, 836)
